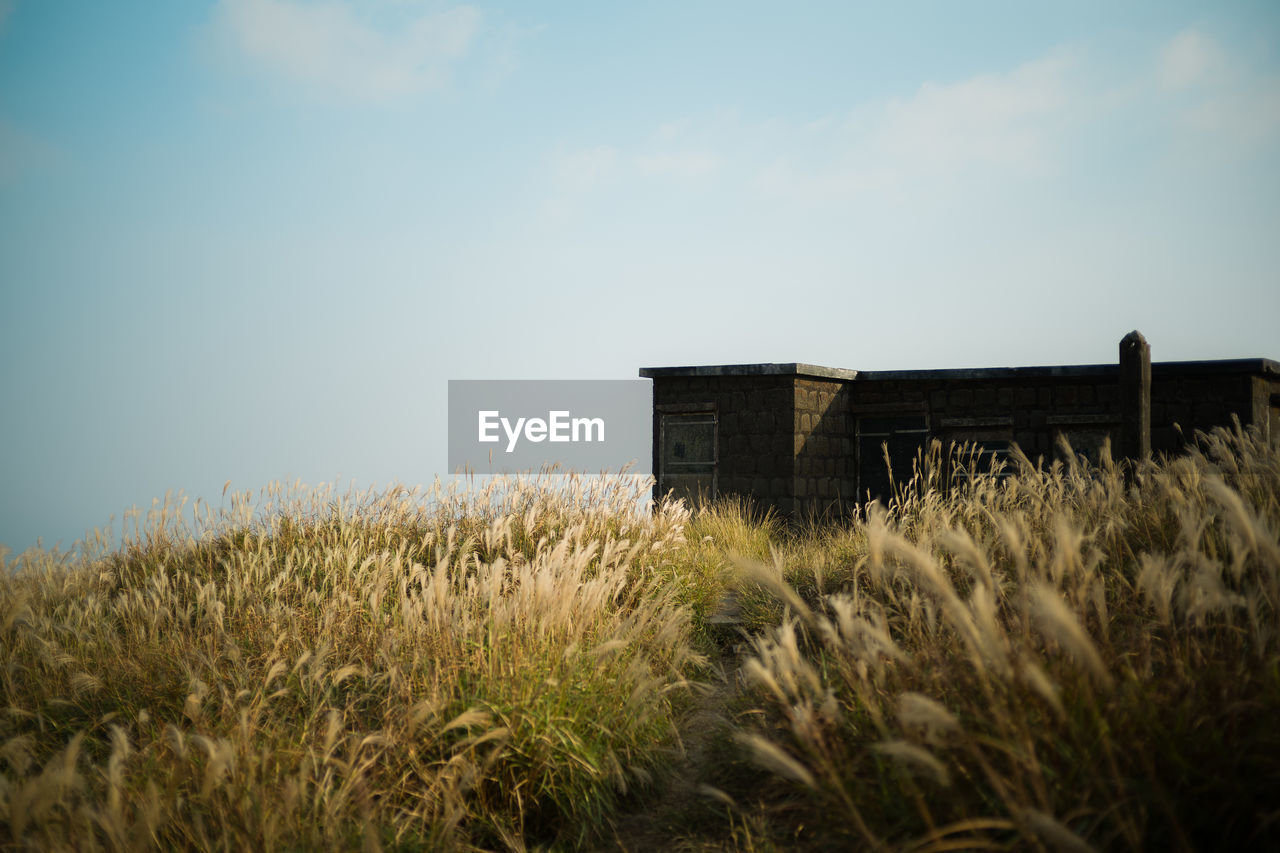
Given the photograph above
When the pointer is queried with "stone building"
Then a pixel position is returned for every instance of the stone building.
(799, 437)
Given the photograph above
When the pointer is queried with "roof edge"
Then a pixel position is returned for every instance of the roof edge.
(1254, 366)
(793, 368)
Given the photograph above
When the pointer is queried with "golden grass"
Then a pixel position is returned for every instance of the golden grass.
(1066, 657)
(1071, 657)
(471, 669)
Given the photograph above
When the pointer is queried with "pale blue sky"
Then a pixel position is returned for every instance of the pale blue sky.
(253, 239)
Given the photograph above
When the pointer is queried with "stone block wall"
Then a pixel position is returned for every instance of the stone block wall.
(1032, 407)
(1266, 405)
(824, 474)
(1028, 407)
(791, 436)
(1194, 399)
(754, 416)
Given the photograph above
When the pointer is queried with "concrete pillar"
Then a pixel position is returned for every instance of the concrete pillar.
(1135, 396)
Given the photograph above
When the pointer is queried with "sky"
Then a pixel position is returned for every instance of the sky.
(252, 240)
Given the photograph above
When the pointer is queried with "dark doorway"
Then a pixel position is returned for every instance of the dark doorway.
(902, 436)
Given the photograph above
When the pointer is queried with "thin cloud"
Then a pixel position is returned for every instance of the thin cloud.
(988, 119)
(580, 170)
(1046, 120)
(1187, 59)
(1223, 100)
(683, 164)
(330, 48)
(575, 176)
(1241, 118)
(1033, 121)
(580, 177)
(1008, 122)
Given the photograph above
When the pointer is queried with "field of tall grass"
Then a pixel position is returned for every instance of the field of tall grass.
(1057, 656)
(1070, 657)
(335, 671)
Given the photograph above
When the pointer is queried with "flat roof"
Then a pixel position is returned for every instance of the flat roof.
(1253, 366)
(793, 368)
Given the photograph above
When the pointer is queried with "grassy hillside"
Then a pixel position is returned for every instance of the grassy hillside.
(1065, 656)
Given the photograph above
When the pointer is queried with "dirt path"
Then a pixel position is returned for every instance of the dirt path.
(661, 819)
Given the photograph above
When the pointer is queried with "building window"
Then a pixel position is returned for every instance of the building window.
(978, 445)
(982, 454)
(898, 436)
(687, 457)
